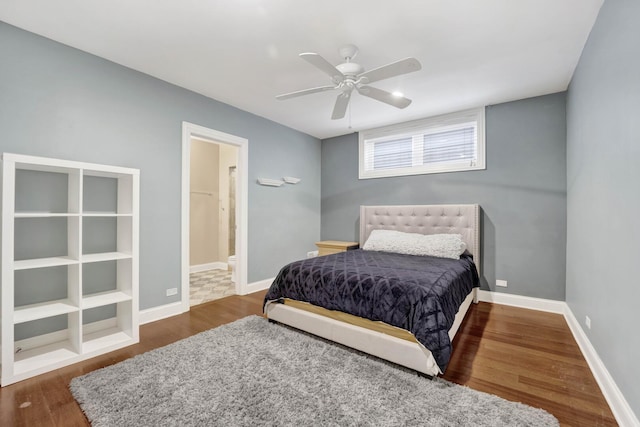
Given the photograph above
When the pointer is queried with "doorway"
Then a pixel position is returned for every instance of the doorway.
(214, 219)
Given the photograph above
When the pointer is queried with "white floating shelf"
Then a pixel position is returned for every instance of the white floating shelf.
(291, 179)
(43, 310)
(270, 182)
(105, 256)
(104, 298)
(26, 264)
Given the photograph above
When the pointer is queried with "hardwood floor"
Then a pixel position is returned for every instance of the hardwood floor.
(521, 355)
(530, 357)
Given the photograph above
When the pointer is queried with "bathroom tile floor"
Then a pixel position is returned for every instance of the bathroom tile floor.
(210, 285)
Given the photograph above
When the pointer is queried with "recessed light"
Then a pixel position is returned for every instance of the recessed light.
(398, 94)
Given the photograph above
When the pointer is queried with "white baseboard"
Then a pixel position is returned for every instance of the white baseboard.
(539, 304)
(258, 286)
(163, 311)
(160, 312)
(618, 404)
(209, 266)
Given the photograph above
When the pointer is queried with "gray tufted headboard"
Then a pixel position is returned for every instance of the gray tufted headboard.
(425, 219)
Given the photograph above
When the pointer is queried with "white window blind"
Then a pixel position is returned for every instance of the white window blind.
(396, 153)
(454, 142)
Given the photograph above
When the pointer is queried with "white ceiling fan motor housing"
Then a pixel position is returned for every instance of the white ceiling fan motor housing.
(348, 51)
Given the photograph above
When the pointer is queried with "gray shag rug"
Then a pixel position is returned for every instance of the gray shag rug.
(251, 372)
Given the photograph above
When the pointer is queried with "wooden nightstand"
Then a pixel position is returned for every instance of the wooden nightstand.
(328, 247)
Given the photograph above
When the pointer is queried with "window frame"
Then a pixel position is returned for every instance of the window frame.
(423, 126)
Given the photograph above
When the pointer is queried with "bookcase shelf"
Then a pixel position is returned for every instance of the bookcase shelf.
(41, 359)
(44, 215)
(105, 256)
(69, 263)
(96, 341)
(26, 264)
(105, 214)
(43, 310)
(104, 298)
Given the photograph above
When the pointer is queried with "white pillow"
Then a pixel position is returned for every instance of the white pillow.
(438, 245)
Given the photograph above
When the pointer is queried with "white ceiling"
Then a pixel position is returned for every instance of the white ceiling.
(245, 52)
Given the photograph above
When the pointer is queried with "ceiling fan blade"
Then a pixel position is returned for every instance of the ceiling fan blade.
(323, 65)
(384, 96)
(404, 66)
(304, 92)
(340, 109)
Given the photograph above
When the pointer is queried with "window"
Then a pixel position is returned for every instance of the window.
(453, 142)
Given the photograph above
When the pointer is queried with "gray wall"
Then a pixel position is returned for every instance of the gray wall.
(522, 194)
(59, 102)
(603, 192)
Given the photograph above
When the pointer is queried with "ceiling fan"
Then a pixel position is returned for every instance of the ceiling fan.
(349, 76)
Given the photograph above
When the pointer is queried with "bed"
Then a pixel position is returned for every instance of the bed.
(359, 320)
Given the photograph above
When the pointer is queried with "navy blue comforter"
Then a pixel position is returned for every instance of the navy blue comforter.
(418, 293)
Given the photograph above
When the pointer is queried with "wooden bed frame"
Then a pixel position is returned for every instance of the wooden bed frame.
(378, 338)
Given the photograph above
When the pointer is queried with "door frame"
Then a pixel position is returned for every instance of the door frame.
(190, 130)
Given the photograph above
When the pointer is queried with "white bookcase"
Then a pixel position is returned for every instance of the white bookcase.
(69, 262)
